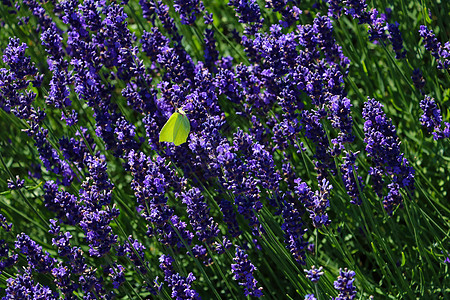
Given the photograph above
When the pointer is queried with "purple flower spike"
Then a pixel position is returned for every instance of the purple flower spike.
(294, 232)
(204, 225)
(349, 171)
(188, 9)
(430, 40)
(4, 223)
(344, 285)
(314, 274)
(181, 286)
(418, 80)
(15, 184)
(6, 260)
(315, 203)
(37, 259)
(243, 272)
(431, 119)
(396, 39)
(383, 148)
(24, 287)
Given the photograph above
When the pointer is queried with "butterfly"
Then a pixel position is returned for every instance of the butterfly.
(176, 130)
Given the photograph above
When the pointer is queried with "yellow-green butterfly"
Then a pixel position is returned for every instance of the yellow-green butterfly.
(176, 129)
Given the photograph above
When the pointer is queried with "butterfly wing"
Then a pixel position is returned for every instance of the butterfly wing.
(182, 129)
(176, 130)
(167, 132)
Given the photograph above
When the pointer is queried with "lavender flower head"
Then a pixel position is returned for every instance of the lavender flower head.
(348, 171)
(357, 9)
(15, 184)
(418, 80)
(315, 203)
(243, 272)
(6, 259)
(396, 39)
(188, 9)
(37, 259)
(24, 287)
(293, 232)
(431, 42)
(344, 285)
(181, 286)
(314, 273)
(204, 226)
(4, 223)
(383, 147)
(431, 119)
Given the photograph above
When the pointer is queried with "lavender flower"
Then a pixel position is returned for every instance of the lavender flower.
(211, 53)
(229, 217)
(290, 14)
(91, 15)
(310, 297)
(247, 10)
(314, 131)
(4, 224)
(13, 94)
(15, 184)
(243, 272)
(357, 9)
(188, 9)
(92, 286)
(418, 80)
(294, 232)
(349, 171)
(14, 56)
(315, 203)
(65, 205)
(37, 259)
(134, 250)
(117, 274)
(96, 193)
(222, 246)
(396, 39)
(335, 9)
(24, 287)
(383, 147)
(181, 286)
(75, 149)
(447, 259)
(314, 274)
(344, 285)
(430, 40)
(431, 118)
(340, 116)
(59, 92)
(38, 11)
(444, 53)
(377, 30)
(63, 280)
(49, 156)
(150, 179)
(6, 260)
(203, 224)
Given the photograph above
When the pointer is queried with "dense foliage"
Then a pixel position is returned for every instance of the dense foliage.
(316, 165)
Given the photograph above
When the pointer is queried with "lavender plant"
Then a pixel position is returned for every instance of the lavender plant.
(286, 166)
